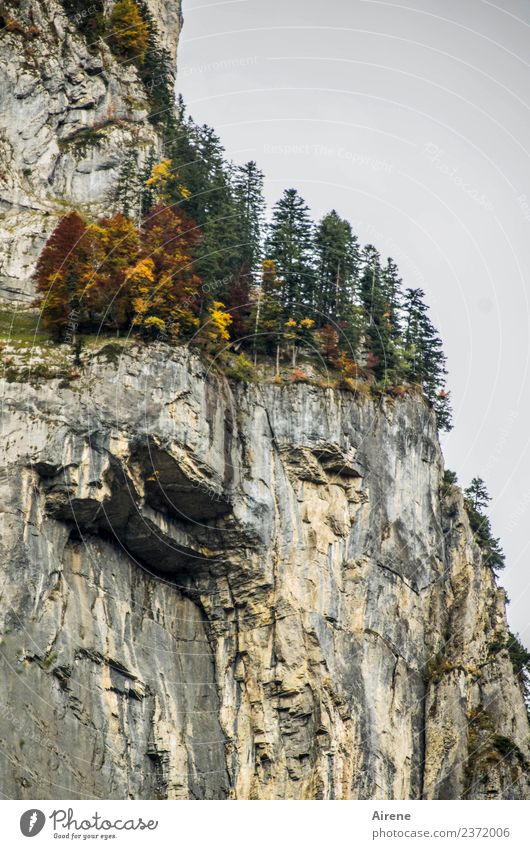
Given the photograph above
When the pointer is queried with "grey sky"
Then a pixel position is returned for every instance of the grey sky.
(411, 119)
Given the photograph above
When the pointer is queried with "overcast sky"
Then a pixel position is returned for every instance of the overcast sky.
(411, 119)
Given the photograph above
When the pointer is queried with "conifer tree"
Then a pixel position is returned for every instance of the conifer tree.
(380, 333)
(476, 500)
(290, 245)
(477, 494)
(250, 215)
(351, 330)
(392, 284)
(337, 265)
(182, 147)
(157, 73)
(425, 359)
(217, 254)
(147, 192)
(89, 21)
(239, 303)
(126, 195)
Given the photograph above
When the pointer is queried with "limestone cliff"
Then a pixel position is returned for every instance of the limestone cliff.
(249, 591)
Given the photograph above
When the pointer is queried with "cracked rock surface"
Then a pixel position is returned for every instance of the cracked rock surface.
(252, 591)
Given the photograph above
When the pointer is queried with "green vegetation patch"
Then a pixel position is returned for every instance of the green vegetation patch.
(20, 327)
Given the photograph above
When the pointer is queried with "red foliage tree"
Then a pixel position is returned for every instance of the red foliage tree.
(329, 343)
(57, 272)
(238, 302)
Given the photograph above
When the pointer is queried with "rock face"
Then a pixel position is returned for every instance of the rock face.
(216, 590)
(70, 112)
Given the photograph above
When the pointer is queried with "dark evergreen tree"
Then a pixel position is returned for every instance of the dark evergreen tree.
(181, 146)
(89, 20)
(351, 330)
(127, 192)
(520, 659)
(392, 285)
(337, 264)
(290, 244)
(147, 195)
(450, 478)
(250, 211)
(380, 328)
(476, 500)
(424, 356)
(218, 252)
(157, 74)
(477, 494)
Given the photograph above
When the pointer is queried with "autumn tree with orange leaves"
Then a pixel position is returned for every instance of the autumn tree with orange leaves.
(108, 276)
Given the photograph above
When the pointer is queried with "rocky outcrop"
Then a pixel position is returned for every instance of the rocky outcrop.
(217, 590)
(71, 110)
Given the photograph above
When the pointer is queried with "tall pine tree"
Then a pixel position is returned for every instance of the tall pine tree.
(476, 500)
(380, 329)
(250, 210)
(337, 262)
(217, 255)
(424, 356)
(290, 244)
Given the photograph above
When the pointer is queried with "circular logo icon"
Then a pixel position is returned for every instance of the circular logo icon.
(31, 822)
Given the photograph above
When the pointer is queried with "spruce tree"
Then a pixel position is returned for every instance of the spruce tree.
(425, 359)
(290, 245)
(337, 263)
(476, 500)
(157, 73)
(127, 192)
(217, 255)
(147, 194)
(380, 328)
(250, 212)
(182, 147)
(393, 295)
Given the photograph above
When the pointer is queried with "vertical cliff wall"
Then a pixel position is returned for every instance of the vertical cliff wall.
(249, 591)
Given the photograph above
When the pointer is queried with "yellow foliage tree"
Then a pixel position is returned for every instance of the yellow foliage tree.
(100, 282)
(165, 183)
(129, 33)
(215, 330)
(141, 279)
